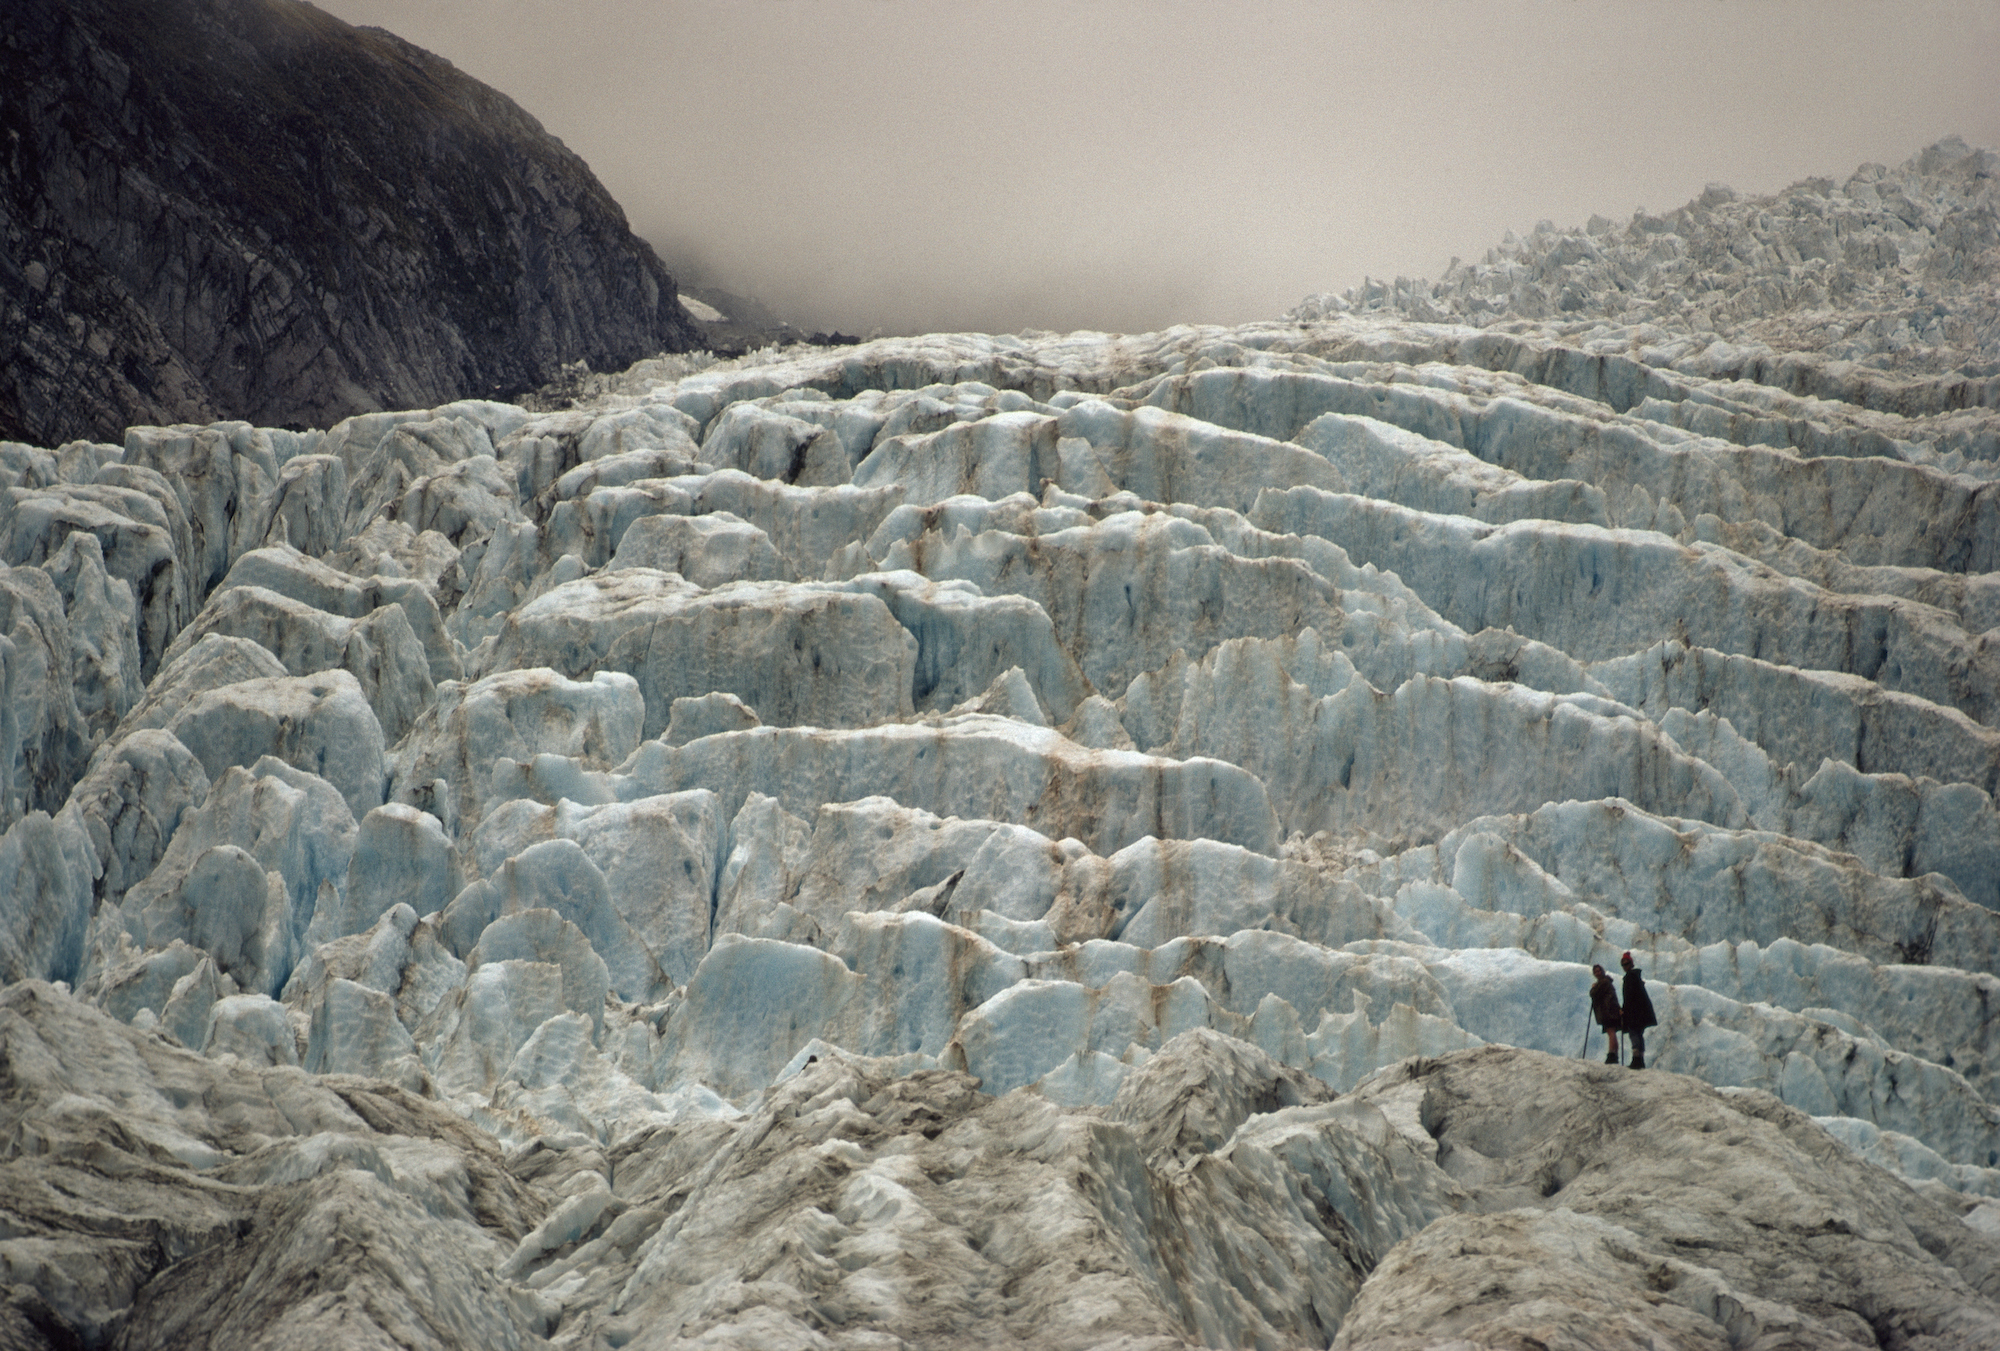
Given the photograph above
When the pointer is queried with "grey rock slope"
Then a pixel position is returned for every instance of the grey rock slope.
(1016, 841)
(246, 208)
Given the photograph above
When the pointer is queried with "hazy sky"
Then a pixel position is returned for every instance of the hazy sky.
(1126, 164)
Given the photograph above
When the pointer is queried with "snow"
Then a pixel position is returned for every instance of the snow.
(1062, 837)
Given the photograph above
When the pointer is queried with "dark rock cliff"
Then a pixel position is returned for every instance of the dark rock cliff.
(249, 209)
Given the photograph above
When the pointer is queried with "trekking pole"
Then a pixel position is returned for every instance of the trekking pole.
(1588, 1011)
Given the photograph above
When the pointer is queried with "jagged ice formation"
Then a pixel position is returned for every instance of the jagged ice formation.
(1023, 841)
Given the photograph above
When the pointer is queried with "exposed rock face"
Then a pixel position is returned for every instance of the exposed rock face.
(246, 208)
(1010, 841)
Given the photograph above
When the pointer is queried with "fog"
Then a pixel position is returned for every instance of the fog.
(906, 166)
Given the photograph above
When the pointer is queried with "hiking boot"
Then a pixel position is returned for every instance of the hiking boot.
(1638, 1063)
(1611, 1059)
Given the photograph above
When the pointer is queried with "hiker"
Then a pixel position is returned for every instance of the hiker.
(1604, 1007)
(1638, 1011)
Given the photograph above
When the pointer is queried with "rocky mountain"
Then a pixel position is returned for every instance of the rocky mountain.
(1080, 841)
(248, 209)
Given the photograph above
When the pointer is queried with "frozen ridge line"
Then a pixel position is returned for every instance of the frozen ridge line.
(1892, 270)
(1044, 840)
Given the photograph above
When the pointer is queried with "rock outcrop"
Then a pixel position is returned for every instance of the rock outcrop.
(248, 209)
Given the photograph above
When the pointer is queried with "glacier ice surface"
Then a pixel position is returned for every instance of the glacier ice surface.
(1057, 840)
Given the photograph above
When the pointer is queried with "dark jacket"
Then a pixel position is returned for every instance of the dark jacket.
(1604, 1004)
(1638, 1007)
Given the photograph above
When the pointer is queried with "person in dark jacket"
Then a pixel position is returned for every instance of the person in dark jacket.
(1638, 1011)
(1604, 1008)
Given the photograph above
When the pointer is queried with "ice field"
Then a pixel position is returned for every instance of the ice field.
(1058, 840)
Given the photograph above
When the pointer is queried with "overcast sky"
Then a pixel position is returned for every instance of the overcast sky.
(1126, 164)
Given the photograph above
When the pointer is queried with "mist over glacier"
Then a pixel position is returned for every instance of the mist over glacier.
(1078, 840)
(1129, 164)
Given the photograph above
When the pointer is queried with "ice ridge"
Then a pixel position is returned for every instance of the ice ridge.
(1082, 840)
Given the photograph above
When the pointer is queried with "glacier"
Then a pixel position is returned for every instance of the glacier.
(1079, 840)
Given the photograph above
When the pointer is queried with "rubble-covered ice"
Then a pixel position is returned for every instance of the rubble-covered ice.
(1069, 841)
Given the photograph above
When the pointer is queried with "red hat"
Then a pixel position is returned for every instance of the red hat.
(1625, 960)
